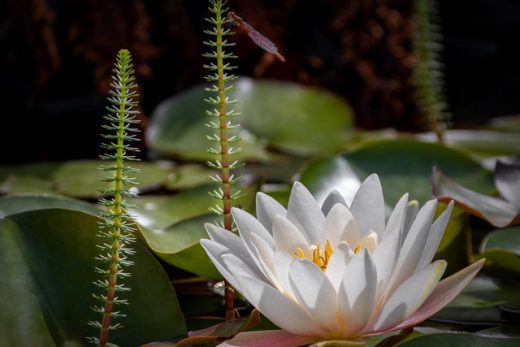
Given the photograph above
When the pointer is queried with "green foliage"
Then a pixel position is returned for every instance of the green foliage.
(116, 231)
(428, 74)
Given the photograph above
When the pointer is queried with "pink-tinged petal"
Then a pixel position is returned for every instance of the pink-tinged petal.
(445, 292)
(248, 224)
(339, 225)
(356, 295)
(398, 216)
(337, 264)
(215, 251)
(409, 296)
(271, 338)
(368, 207)
(413, 246)
(435, 237)
(267, 208)
(287, 236)
(279, 309)
(234, 244)
(315, 293)
(305, 213)
(332, 199)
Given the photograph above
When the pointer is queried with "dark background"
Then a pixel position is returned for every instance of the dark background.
(56, 58)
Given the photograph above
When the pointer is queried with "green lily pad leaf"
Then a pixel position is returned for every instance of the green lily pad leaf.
(504, 331)
(80, 178)
(501, 248)
(482, 143)
(480, 301)
(269, 112)
(496, 211)
(460, 339)
(22, 203)
(507, 123)
(59, 247)
(189, 176)
(178, 245)
(402, 165)
(22, 322)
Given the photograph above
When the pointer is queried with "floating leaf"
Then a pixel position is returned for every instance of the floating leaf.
(189, 176)
(402, 165)
(501, 248)
(270, 110)
(79, 178)
(59, 247)
(460, 339)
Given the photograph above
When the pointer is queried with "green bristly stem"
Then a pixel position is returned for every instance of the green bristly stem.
(115, 228)
(224, 149)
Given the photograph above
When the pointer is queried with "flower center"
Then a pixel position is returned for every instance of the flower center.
(321, 257)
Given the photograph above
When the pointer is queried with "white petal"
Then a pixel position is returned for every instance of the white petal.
(282, 311)
(409, 296)
(305, 213)
(435, 237)
(413, 246)
(248, 224)
(411, 213)
(287, 236)
(332, 199)
(398, 216)
(314, 292)
(267, 208)
(368, 206)
(385, 258)
(339, 225)
(215, 251)
(356, 296)
(337, 264)
(263, 255)
(233, 242)
(237, 266)
(282, 267)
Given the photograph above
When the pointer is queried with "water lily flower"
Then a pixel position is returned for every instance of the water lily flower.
(336, 272)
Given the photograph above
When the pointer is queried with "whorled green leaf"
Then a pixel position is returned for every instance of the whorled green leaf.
(274, 114)
(59, 247)
(79, 178)
(402, 165)
(497, 211)
(462, 340)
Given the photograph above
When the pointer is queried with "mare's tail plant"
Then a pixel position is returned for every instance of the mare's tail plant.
(428, 75)
(220, 78)
(116, 232)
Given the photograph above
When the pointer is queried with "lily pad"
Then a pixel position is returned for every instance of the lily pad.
(460, 339)
(402, 165)
(482, 143)
(22, 203)
(59, 248)
(276, 114)
(79, 178)
(501, 248)
(189, 176)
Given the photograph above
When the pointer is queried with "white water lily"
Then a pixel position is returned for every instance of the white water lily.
(336, 272)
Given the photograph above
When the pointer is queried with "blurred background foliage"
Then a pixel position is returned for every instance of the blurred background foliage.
(343, 106)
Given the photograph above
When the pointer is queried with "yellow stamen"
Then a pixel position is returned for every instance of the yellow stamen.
(299, 253)
(358, 249)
